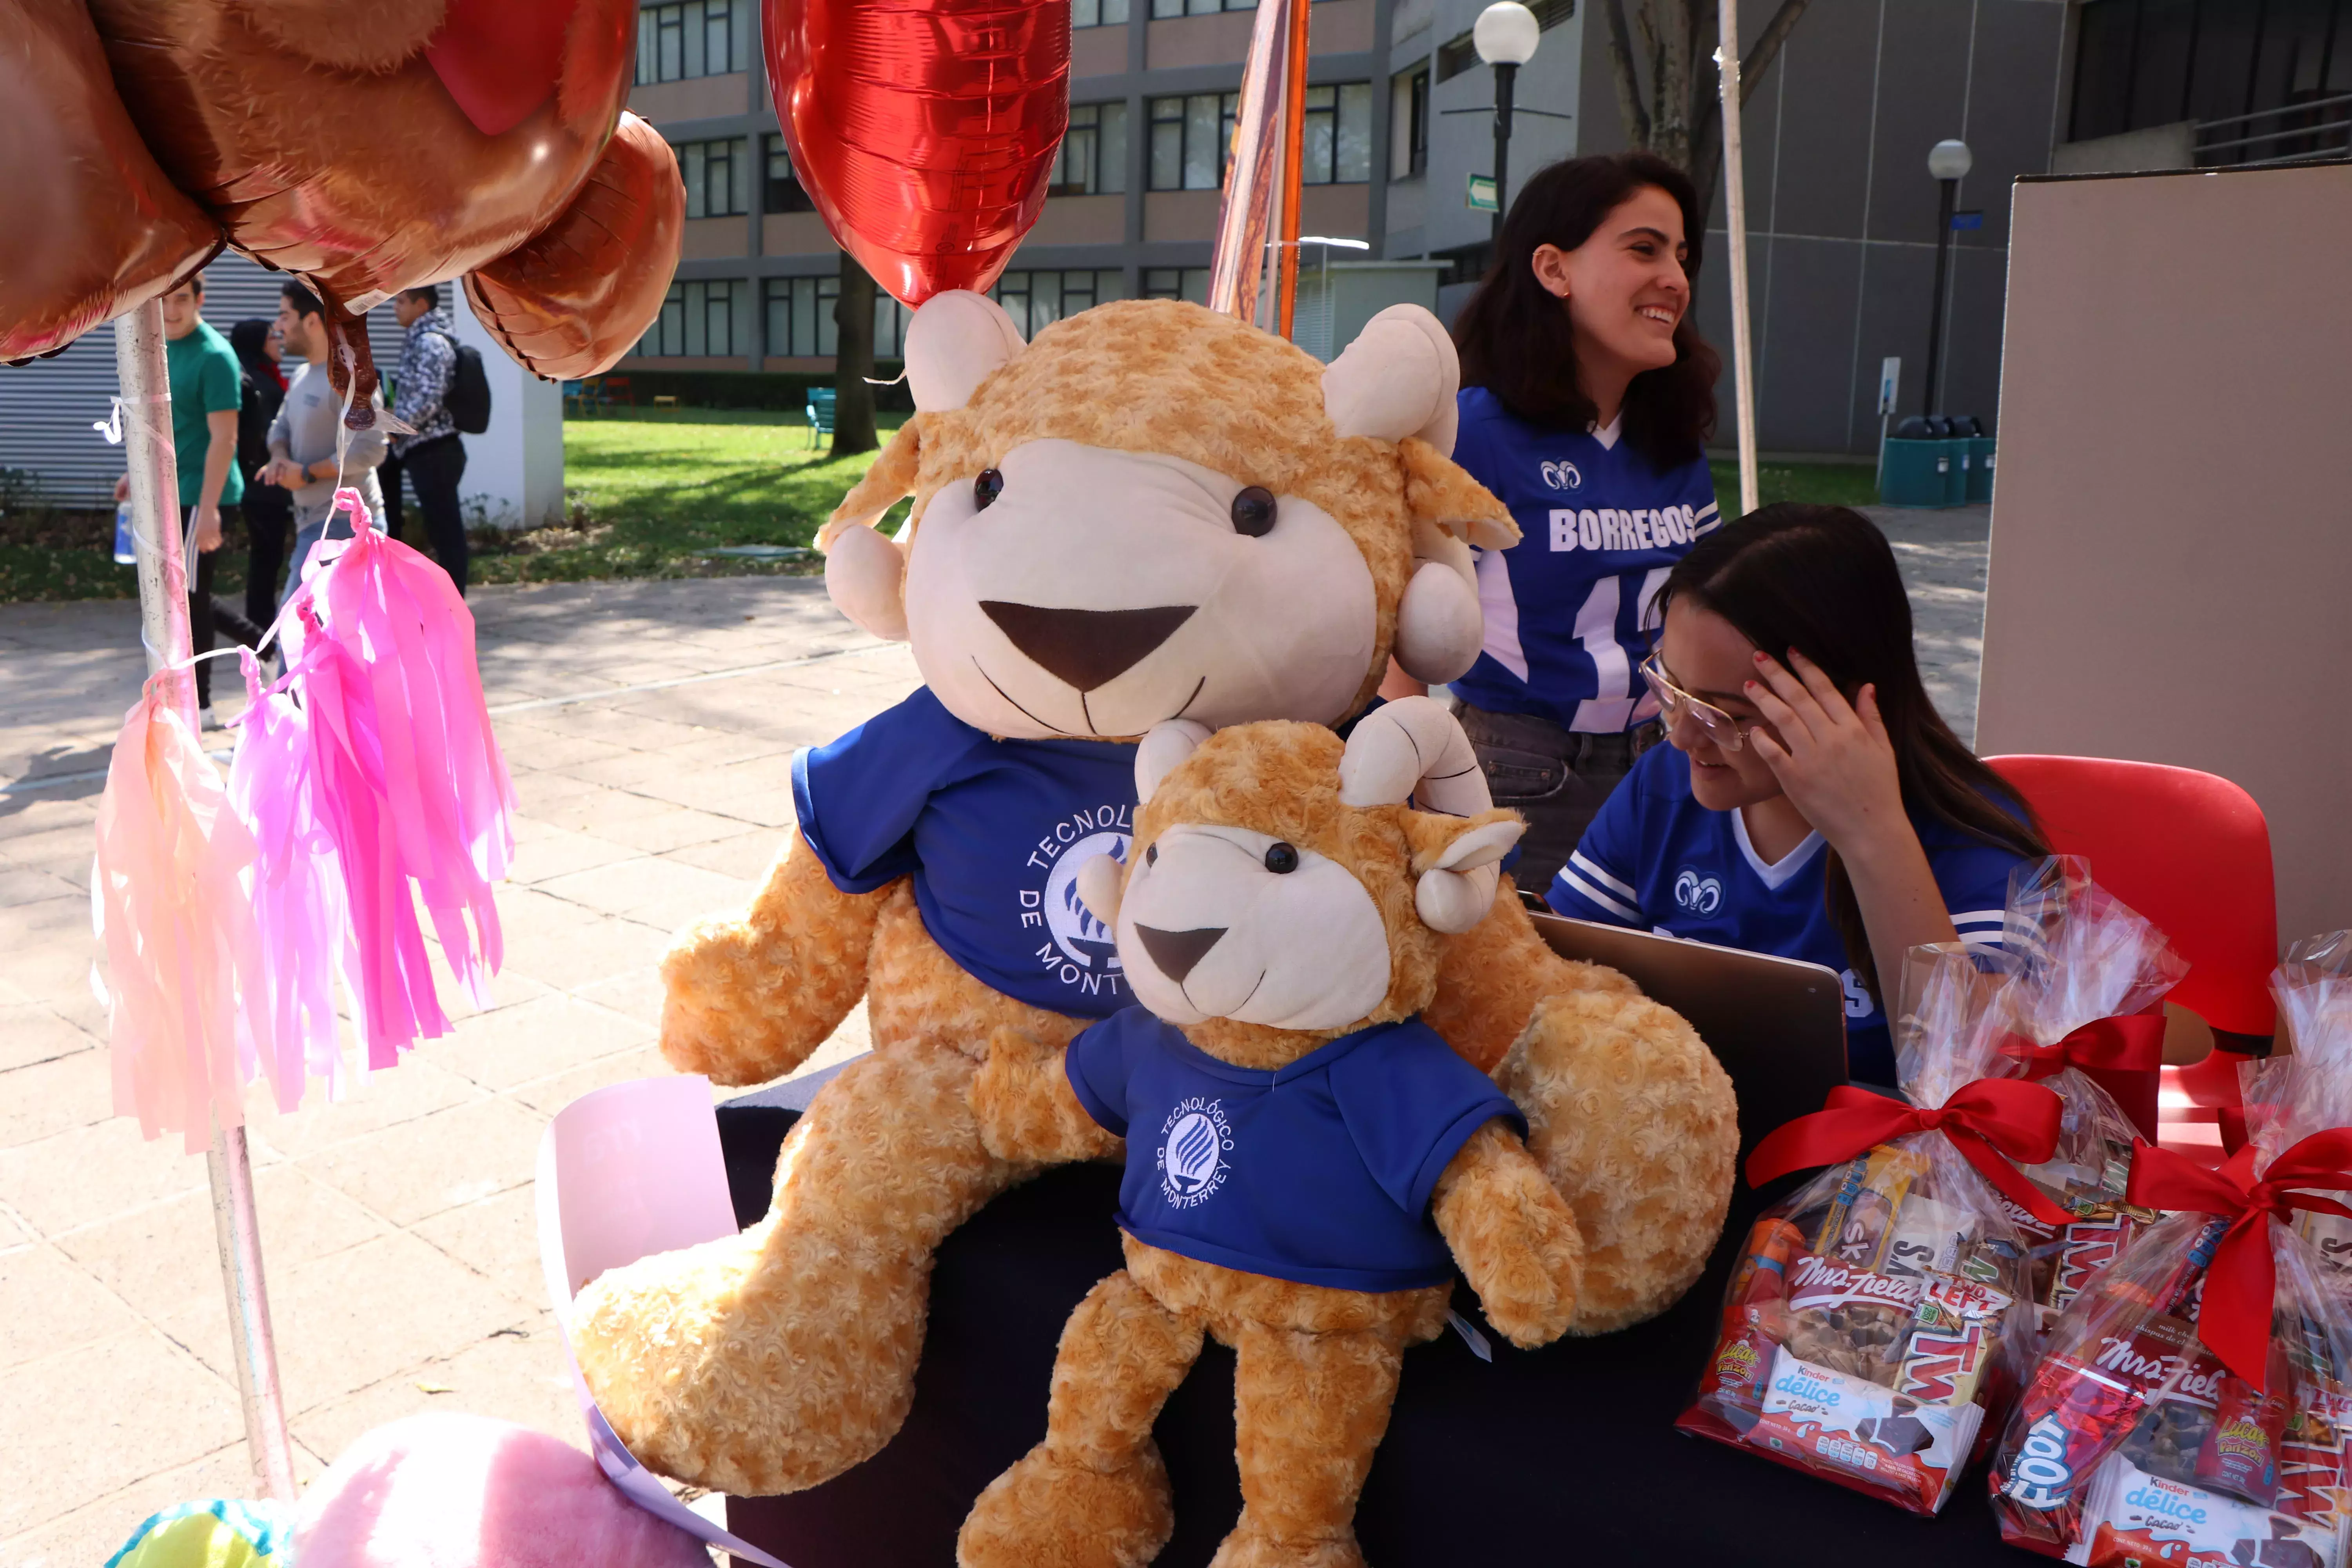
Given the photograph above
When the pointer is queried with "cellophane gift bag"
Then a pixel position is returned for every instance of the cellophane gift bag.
(2086, 975)
(2190, 1407)
(1878, 1319)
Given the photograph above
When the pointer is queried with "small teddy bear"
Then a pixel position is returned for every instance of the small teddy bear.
(1306, 1159)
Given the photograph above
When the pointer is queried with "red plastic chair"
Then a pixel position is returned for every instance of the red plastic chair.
(2191, 852)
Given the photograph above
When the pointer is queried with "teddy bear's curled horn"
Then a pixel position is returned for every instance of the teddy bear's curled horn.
(956, 341)
(1399, 378)
(1411, 746)
(1164, 746)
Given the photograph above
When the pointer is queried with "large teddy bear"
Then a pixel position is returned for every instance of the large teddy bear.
(1306, 1159)
(1153, 513)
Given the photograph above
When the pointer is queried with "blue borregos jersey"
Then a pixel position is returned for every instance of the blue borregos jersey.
(1571, 611)
(1319, 1172)
(992, 832)
(1656, 859)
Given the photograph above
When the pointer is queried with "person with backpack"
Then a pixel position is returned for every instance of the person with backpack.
(435, 391)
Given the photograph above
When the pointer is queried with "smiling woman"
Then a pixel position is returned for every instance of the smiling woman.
(1586, 402)
(1811, 804)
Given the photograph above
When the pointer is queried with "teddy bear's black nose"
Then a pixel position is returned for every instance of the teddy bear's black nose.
(1086, 648)
(1176, 951)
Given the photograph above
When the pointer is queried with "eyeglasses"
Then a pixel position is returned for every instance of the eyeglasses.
(1674, 702)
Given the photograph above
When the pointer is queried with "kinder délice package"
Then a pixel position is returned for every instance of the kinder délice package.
(2073, 955)
(2132, 1442)
(1877, 1321)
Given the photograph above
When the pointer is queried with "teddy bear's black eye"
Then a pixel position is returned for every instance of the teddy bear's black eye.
(1281, 859)
(1254, 512)
(1151, 853)
(987, 487)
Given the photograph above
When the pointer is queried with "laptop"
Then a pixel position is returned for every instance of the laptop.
(1777, 1024)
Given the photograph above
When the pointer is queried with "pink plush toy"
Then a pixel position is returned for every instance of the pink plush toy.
(465, 1491)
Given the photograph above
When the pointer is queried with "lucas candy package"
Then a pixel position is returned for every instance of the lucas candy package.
(2086, 979)
(2191, 1404)
(1877, 1321)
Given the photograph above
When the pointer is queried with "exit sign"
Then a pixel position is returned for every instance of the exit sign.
(1482, 193)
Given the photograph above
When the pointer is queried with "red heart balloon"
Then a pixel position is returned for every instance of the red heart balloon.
(924, 130)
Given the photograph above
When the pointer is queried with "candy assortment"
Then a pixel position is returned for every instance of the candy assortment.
(2191, 1407)
(1878, 1316)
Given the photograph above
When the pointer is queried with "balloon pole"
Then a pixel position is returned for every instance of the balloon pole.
(1260, 214)
(1735, 206)
(163, 630)
(1293, 148)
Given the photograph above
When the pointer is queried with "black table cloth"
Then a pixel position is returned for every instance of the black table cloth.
(1564, 1454)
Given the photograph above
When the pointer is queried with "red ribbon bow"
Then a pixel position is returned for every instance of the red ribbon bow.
(2242, 1282)
(1991, 1122)
(2131, 1043)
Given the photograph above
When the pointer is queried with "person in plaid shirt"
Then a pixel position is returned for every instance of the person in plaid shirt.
(435, 457)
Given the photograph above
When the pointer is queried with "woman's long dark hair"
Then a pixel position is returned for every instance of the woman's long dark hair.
(1514, 336)
(1822, 580)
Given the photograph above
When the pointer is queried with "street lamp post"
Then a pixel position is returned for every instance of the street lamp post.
(1948, 161)
(1505, 35)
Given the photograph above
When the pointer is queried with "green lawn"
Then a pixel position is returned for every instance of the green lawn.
(649, 493)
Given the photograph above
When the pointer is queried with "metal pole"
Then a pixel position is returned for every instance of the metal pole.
(163, 630)
(1927, 395)
(1734, 202)
(1506, 78)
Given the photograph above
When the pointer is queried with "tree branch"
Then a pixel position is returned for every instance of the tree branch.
(1768, 48)
(1620, 65)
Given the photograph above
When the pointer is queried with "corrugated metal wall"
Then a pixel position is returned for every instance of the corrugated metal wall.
(47, 408)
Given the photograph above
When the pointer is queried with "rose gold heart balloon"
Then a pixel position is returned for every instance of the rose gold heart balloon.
(923, 130)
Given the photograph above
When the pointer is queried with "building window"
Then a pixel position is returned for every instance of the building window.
(718, 177)
(2142, 63)
(1035, 300)
(1097, 13)
(1409, 124)
(800, 322)
(1163, 10)
(1338, 135)
(782, 193)
(1177, 283)
(1189, 139)
(698, 38)
(1093, 158)
(702, 319)
(1458, 54)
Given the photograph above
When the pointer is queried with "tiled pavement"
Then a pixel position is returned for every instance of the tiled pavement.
(398, 1226)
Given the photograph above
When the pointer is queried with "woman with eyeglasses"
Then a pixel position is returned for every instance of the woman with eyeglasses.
(1811, 802)
(1587, 399)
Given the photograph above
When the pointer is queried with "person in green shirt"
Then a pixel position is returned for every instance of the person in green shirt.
(207, 388)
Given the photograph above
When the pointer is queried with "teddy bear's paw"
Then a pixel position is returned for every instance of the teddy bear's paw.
(1252, 1545)
(1047, 1511)
(720, 1366)
(1634, 1124)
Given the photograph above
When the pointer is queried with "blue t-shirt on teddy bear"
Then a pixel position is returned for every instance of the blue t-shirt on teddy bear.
(1319, 1171)
(992, 832)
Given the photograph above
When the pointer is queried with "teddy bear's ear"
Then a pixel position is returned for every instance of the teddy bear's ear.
(1455, 865)
(955, 342)
(1399, 378)
(1164, 746)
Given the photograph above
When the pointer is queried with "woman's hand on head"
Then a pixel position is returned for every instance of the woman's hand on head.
(1832, 757)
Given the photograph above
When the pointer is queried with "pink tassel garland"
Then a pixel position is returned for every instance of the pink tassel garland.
(410, 787)
(181, 945)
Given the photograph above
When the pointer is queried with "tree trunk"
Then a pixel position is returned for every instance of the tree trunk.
(852, 361)
(1683, 120)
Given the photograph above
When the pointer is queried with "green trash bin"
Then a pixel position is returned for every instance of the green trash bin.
(1957, 483)
(1920, 473)
(1980, 468)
